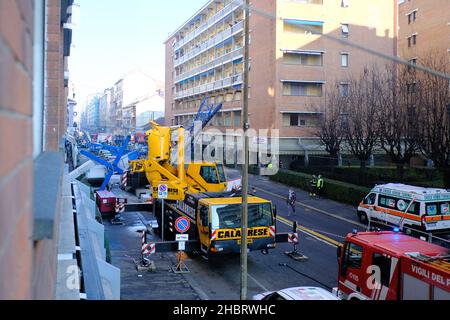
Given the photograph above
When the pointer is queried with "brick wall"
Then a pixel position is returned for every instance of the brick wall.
(27, 266)
(55, 99)
(16, 165)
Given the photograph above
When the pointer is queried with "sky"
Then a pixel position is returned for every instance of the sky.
(113, 37)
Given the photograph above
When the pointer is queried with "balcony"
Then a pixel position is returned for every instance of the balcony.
(216, 85)
(222, 36)
(227, 57)
(213, 20)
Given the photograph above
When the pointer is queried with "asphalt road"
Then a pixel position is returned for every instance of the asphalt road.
(322, 225)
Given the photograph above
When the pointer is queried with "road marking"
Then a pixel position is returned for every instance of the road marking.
(258, 283)
(311, 233)
(315, 209)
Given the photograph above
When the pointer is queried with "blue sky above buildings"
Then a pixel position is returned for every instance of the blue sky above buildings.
(115, 36)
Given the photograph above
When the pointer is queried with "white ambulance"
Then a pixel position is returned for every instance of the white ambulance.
(407, 207)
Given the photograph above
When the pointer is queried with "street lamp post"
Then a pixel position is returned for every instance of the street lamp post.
(244, 220)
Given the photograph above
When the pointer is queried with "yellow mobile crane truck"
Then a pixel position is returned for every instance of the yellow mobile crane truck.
(198, 193)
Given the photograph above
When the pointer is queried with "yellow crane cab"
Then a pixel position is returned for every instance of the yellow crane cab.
(215, 219)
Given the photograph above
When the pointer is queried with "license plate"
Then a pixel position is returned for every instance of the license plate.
(249, 241)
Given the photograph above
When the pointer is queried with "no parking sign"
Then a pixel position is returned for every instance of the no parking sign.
(163, 191)
(182, 224)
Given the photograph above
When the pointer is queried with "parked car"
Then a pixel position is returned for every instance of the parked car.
(297, 293)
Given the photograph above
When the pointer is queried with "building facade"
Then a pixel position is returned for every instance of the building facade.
(298, 49)
(34, 45)
(424, 29)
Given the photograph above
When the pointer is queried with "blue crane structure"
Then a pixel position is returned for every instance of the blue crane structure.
(111, 168)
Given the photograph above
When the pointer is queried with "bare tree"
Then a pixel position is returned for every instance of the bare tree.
(331, 133)
(431, 95)
(397, 117)
(361, 125)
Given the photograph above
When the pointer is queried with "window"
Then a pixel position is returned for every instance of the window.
(412, 17)
(304, 59)
(209, 174)
(352, 257)
(344, 60)
(394, 203)
(228, 216)
(293, 120)
(411, 87)
(345, 30)
(384, 263)
(414, 208)
(445, 208)
(438, 208)
(204, 216)
(432, 209)
(302, 89)
(413, 62)
(237, 118)
(412, 40)
(344, 87)
(303, 27)
(370, 199)
(227, 116)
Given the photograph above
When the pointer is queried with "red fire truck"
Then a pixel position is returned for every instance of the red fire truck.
(392, 266)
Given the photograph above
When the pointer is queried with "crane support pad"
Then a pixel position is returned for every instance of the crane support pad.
(172, 246)
(282, 237)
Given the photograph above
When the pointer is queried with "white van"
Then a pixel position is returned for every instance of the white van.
(407, 207)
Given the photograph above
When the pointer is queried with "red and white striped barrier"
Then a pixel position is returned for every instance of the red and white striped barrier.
(148, 248)
(124, 179)
(293, 238)
(272, 231)
(120, 206)
(214, 235)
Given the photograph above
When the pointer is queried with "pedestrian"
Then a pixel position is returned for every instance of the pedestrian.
(253, 190)
(291, 202)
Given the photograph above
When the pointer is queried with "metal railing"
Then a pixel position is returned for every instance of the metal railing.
(222, 36)
(216, 85)
(227, 57)
(210, 22)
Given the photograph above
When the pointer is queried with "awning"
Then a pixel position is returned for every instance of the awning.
(303, 22)
(304, 81)
(239, 60)
(302, 112)
(308, 52)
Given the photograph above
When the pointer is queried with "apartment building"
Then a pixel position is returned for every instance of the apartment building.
(424, 29)
(298, 48)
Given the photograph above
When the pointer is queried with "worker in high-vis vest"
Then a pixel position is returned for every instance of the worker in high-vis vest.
(319, 186)
(313, 184)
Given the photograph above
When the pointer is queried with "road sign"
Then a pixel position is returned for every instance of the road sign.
(182, 224)
(182, 237)
(163, 191)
